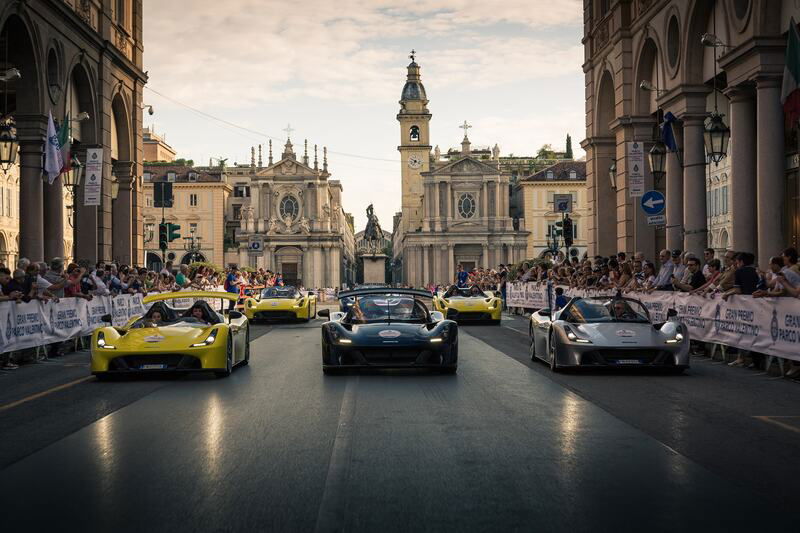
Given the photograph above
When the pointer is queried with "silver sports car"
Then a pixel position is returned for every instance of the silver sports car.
(608, 332)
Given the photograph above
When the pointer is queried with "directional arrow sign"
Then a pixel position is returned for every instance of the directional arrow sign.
(653, 203)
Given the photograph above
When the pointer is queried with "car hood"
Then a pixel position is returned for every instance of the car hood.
(160, 338)
(390, 333)
(466, 304)
(620, 334)
(277, 303)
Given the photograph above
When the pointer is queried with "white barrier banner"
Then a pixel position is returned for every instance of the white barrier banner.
(66, 318)
(764, 325)
(29, 325)
(96, 308)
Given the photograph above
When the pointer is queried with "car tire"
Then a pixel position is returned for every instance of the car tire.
(449, 369)
(551, 347)
(328, 371)
(104, 377)
(532, 348)
(228, 361)
(246, 360)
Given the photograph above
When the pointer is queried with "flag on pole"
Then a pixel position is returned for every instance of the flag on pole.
(667, 133)
(52, 152)
(64, 134)
(790, 95)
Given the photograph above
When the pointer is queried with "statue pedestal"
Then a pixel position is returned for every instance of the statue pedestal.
(374, 268)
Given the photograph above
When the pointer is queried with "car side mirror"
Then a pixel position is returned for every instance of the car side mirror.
(437, 316)
(234, 314)
(324, 313)
(106, 318)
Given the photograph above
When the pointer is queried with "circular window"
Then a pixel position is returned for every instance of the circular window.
(289, 207)
(466, 205)
(53, 75)
(673, 42)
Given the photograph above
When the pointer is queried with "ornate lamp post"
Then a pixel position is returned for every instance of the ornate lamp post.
(612, 175)
(9, 144)
(658, 159)
(72, 180)
(192, 245)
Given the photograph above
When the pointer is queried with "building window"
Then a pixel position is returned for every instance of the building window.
(193, 227)
(289, 207)
(192, 200)
(574, 195)
(573, 175)
(148, 201)
(149, 230)
(466, 205)
(551, 197)
(237, 212)
(414, 133)
(147, 176)
(171, 176)
(549, 174)
(725, 200)
(192, 176)
(2, 201)
(673, 41)
(121, 13)
(241, 191)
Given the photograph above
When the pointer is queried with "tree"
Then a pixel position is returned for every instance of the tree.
(546, 152)
(568, 153)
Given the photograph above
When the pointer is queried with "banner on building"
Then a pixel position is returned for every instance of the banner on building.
(93, 177)
(635, 168)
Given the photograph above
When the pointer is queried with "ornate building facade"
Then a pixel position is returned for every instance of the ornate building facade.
(291, 221)
(645, 58)
(454, 211)
(77, 56)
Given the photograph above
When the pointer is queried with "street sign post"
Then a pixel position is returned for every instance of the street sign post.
(256, 245)
(562, 203)
(635, 169)
(653, 204)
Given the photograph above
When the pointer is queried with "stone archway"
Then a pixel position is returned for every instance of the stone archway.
(289, 262)
(5, 257)
(122, 171)
(25, 98)
(603, 194)
(190, 258)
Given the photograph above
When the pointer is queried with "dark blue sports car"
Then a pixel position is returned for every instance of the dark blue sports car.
(388, 328)
(346, 303)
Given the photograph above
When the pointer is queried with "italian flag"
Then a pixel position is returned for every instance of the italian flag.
(790, 95)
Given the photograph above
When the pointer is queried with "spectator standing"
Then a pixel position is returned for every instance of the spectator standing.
(708, 256)
(663, 281)
(232, 285)
(696, 277)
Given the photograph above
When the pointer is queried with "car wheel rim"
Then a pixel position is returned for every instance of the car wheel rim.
(552, 352)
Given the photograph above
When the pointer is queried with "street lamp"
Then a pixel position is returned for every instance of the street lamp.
(114, 188)
(716, 136)
(658, 158)
(9, 144)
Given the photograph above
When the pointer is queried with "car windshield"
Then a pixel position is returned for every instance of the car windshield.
(593, 310)
(387, 307)
(465, 293)
(280, 292)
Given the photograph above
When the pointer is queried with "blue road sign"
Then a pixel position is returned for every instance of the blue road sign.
(653, 203)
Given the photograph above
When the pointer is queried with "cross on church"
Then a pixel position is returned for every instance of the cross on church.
(288, 129)
(413, 54)
(465, 127)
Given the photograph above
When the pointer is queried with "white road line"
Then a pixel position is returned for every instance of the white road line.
(331, 514)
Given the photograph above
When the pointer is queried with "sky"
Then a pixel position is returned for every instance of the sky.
(335, 70)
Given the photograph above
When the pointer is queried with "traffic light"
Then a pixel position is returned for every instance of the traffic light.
(568, 231)
(163, 236)
(172, 231)
(558, 230)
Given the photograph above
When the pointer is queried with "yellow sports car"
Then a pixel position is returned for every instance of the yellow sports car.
(469, 305)
(281, 303)
(167, 339)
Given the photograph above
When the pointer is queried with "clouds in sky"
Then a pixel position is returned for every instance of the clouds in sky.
(320, 64)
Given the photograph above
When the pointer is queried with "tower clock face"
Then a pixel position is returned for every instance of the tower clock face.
(414, 161)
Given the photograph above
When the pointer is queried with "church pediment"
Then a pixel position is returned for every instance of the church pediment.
(287, 167)
(466, 165)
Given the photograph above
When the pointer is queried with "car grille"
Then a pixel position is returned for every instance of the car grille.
(645, 356)
(275, 315)
(391, 356)
(171, 362)
(452, 314)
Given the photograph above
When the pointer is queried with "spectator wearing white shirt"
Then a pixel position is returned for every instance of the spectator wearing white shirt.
(663, 281)
(708, 256)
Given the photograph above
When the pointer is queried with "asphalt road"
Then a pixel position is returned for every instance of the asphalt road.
(503, 445)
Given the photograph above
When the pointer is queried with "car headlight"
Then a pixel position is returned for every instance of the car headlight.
(574, 338)
(677, 339)
(249, 303)
(300, 302)
(101, 342)
(338, 338)
(436, 339)
(208, 342)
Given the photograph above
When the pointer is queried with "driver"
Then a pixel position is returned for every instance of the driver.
(404, 308)
(452, 291)
(155, 318)
(198, 312)
(622, 311)
(475, 291)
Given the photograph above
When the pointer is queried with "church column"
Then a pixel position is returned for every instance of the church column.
(122, 213)
(674, 197)
(269, 257)
(317, 267)
(31, 227)
(449, 200)
(335, 267)
(426, 256)
(771, 177)
(485, 201)
(436, 214)
(498, 207)
(451, 263)
(485, 256)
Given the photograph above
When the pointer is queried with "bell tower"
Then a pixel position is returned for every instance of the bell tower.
(414, 148)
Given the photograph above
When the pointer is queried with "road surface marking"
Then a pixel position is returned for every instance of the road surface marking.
(784, 425)
(330, 516)
(43, 393)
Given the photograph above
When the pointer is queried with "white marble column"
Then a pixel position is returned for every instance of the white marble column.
(695, 237)
(485, 201)
(426, 262)
(771, 169)
(674, 196)
(436, 214)
(451, 263)
(743, 171)
(497, 200)
(335, 267)
(484, 257)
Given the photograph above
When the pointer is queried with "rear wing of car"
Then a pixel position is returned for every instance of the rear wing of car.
(384, 290)
(190, 294)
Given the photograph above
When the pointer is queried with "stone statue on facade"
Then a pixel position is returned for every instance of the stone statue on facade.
(304, 225)
(373, 234)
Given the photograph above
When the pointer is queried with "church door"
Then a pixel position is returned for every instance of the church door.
(289, 271)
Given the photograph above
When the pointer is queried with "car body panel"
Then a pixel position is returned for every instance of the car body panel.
(462, 309)
(303, 307)
(389, 343)
(610, 344)
(168, 347)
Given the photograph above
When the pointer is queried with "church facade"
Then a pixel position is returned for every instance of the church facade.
(454, 211)
(293, 222)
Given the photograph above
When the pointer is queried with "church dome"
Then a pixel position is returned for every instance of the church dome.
(414, 90)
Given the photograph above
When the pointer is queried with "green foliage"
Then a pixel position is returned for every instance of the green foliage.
(197, 264)
(568, 153)
(546, 152)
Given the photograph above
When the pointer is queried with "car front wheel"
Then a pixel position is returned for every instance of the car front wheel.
(552, 347)
(228, 361)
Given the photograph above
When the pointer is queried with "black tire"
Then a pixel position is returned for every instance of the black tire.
(104, 377)
(449, 369)
(228, 361)
(532, 348)
(246, 360)
(551, 347)
(328, 371)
